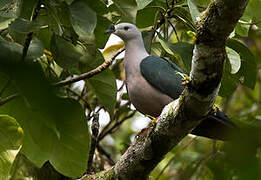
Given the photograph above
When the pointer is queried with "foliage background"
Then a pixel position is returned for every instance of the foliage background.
(44, 128)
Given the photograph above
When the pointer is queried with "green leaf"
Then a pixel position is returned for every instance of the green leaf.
(253, 11)
(193, 10)
(234, 60)
(183, 16)
(185, 50)
(229, 81)
(165, 46)
(4, 22)
(26, 8)
(36, 49)
(83, 18)
(142, 3)
(11, 134)
(66, 54)
(19, 28)
(242, 29)
(203, 3)
(243, 26)
(24, 26)
(102, 21)
(144, 17)
(6, 160)
(248, 68)
(147, 39)
(55, 129)
(104, 85)
(128, 10)
(102, 24)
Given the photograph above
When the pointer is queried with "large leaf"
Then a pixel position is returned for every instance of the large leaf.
(128, 9)
(36, 49)
(66, 54)
(83, 18)
(110, 51)
(24, 26)
(185, 50)
(4, 22)
(26, 8)
(144, 17)
(229, 81)
(6, 160)
(183, 16)
(253, 11)
(142, 3)
(193, 10)
(234, 60)
(11, 134)
(147, 39)
(203, 3)
(19, 28)
(165, 46)
(102, 22)
(248, 68)
(54, 127)
(104, 85)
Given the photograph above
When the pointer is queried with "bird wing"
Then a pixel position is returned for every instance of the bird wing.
(163, 75)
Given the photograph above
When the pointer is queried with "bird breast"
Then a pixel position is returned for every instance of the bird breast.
(144, 97)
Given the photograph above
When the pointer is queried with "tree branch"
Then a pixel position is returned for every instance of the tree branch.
(95, 131)
(89, 74)
(180, 117)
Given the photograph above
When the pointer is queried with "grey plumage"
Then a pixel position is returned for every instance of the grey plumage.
(153, 82)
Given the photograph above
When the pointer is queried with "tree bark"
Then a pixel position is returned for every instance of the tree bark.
(180, 117)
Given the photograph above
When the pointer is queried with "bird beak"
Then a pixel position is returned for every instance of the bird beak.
(110, 30)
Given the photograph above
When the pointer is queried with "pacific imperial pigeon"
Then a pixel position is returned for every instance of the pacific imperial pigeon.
(153, 82)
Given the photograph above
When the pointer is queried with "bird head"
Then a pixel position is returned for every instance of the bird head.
(125, 31)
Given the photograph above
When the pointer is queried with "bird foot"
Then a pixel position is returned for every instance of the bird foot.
(152, 124)
(214, 109)
(185, 78)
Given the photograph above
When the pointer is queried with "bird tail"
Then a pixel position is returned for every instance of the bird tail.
(217, 126)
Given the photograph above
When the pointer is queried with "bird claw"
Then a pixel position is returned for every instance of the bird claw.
(152, 124)
(214, 108)
(185, 78)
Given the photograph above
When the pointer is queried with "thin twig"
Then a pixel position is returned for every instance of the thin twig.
(180, 150)
(8, 98)
(90, 117)
(115, 126)
(174, 29)
(75, 94)
(89, 74)
(95, 131)
(106, 154)
(29, 36)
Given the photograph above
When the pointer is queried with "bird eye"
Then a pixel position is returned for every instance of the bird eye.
(126, 28)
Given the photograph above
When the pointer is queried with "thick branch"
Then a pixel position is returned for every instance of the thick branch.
(180, 117)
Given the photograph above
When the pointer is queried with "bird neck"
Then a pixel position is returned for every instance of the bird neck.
(135, 50)
(134, 54)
